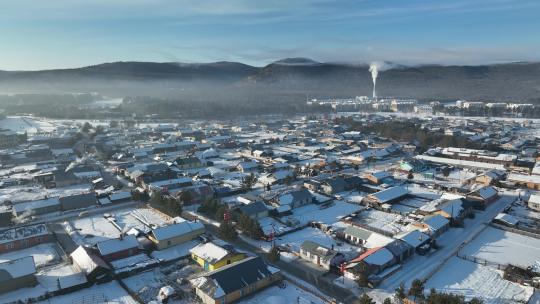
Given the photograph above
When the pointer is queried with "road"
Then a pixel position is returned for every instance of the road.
(450, 242)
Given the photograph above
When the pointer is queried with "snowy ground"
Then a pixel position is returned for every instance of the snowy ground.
(389, 222)
(48, 280)
(504, 247)
(174, 252)
(147, 284)
(44, 254)
(330, 215)
(110, 292)
(288, 295)
(92, 230)
(137, 217)
(423, 266)
(473, 280)
(294, 241)
(23, 124)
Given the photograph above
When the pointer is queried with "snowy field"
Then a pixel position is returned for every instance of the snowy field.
(22, 124)
(504, 247)
(474, 280)
(44, 254)
(288, 295)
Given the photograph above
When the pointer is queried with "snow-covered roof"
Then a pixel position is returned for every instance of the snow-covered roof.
(390, 194)
(17, 268)
(436, 222)
(507, 218)
(210, 252)
(414, 238)
(120, 195)
(487, 192)
(171, 231)
(22, 233)
(27, 206)
(116, 245)
(380, 257)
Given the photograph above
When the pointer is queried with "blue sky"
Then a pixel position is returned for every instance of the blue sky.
(71, 33)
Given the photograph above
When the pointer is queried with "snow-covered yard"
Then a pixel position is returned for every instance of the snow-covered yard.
(174, 252)
(290, 294)
(473, 280)
(388, 222)
(294, 241)
(504, 247)
(139, 218)
(44, 254)
(327, 215)
(91, 230)
(110, 292)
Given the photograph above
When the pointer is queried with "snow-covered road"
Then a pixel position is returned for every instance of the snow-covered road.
(425, 266)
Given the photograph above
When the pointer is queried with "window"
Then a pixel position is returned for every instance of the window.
(168, 243)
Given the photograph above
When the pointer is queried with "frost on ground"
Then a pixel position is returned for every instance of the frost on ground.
(504, 247)
(44, 254)
(474, 280)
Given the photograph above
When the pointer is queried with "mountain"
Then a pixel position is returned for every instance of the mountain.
(142, 71)
(511, 81)
(296, 77)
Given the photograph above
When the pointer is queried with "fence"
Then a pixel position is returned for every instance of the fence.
(481, 261)
(515, 230)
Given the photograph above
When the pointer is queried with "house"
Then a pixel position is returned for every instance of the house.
(320, 255)
(529, 181)
(506, 219)
(400, 249)
(120, 196)
(357, 235)
(484, 195)
(87, 261)
(378, 178)
(17, 274)
(372, 261)
(115, 249)
(436, 225)
(387, 196)
(418, 240)
(78, 201)
(295, 198)
(234, 281)
(255, 210)
(456, 210)
(413, 165)
(174, 234)
(212, 256)
(534, 202)
(190, 162)
(490, 177)
(23, 237)
(247, 167)
(334, 185)
(38, 207)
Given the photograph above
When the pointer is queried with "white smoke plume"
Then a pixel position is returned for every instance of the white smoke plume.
(374, 68)
(23, 217)
(76, 162)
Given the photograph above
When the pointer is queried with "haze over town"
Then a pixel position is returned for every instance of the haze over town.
(269, 152)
